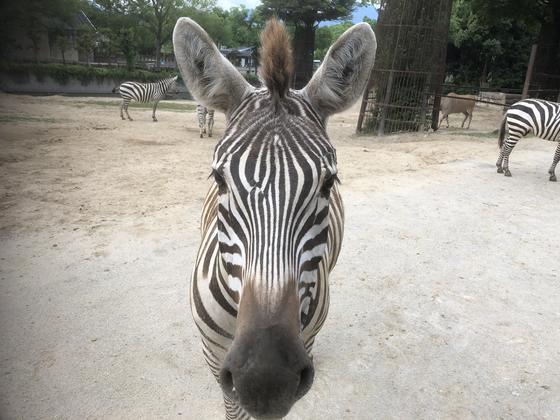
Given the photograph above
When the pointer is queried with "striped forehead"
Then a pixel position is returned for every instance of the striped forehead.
(258, 135)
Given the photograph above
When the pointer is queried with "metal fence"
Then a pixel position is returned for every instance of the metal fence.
(405, 86)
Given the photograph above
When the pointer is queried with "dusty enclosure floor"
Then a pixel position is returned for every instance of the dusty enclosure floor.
(445, 302)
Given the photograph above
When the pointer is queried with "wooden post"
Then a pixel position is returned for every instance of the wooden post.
(384, 106)
(364, 103)
(529, 74)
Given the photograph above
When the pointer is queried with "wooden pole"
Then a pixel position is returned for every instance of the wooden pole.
(364, 103)
(529, 74)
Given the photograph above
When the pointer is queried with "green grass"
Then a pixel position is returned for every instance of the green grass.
(489, 134)
(170, 106)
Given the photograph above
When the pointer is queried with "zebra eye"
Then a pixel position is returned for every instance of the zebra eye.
(328, 184)
(219, 179)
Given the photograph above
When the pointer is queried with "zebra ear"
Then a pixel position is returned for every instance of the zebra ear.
(209, 76)
(343, 75)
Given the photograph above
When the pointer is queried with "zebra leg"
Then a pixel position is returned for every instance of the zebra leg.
(210, 122)
(234, 411)
(555, 161)
(500, 160)
(506, 151)
(154, 112)
(122, 106)
(126, 109)
(201, 117)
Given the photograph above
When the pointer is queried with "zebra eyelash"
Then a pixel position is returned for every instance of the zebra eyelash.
(328, 184)
(218, 178)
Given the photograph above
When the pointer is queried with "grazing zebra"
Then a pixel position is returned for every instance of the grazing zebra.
(272, 221)
(201, 112)
(540, 117)
(145, 92)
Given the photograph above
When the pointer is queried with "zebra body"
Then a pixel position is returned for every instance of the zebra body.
(202, 112)
(144, 92)
(537, 116)
(272, 221)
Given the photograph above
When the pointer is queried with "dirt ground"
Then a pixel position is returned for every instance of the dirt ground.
(445, 303)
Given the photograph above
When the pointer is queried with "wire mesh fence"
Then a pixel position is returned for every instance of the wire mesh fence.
(405, 86)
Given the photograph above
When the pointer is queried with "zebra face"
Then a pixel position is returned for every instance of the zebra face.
(274, 169)
(274, 172)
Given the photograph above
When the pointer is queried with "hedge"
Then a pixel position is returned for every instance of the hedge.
(62, 73)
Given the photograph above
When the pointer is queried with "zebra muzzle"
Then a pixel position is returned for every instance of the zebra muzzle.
(266, 372)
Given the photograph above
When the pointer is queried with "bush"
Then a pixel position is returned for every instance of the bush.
(253, 79)
(63, 72)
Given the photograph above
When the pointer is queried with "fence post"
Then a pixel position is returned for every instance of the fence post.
(529, 74)
(387, 98)
(363, 105)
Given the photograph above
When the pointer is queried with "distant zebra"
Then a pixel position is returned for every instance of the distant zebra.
(529, 115)
(144, 92)
(201, 112)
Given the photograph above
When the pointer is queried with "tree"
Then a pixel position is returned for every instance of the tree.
(326, 35)
(86, 42)
(488, 46)
(159, 16)
(304, 17)
(60, 39)
(33, 18)
(243, 27)
(128, 45)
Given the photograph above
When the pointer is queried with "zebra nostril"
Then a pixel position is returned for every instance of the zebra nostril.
(226, 380)
(305, 380)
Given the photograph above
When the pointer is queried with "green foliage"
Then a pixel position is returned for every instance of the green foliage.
(33, 17)
(304, 16)
(253, 79)
(86, 41)
(326, 35)
(309, 11)
(490, 48)
(63, 73)
(242, 27)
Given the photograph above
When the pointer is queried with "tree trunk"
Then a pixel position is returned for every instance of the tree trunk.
(547, 70)
(304, 45)
(158, 47)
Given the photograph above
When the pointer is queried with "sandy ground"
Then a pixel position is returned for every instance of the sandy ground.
(445, 303)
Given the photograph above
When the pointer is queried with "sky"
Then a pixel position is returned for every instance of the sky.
(358, 15)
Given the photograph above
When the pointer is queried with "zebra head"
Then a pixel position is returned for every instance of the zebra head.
(173, 85)
(275, 172)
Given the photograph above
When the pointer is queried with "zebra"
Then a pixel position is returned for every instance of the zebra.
(145, 92)
(201, 112)
(538, 116)
(272, 221)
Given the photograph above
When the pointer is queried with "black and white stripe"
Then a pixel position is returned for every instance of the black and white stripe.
(203, 122)
(145, 92)
(542, 118)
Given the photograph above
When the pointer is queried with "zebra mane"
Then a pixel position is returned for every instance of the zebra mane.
(277, 64)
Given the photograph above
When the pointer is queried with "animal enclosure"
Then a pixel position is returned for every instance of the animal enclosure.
(405, 85)
(441, 304)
